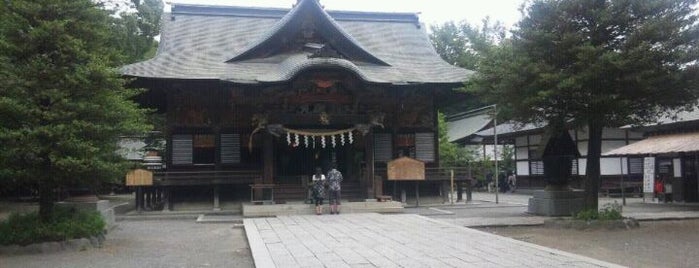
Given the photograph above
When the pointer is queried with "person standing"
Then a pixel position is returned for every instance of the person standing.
(659, 189)
(512, 181)
(319, 181)
(489, 181)
(667, 184)
(334, 185)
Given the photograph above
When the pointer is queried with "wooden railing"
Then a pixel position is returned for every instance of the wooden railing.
(206, 177)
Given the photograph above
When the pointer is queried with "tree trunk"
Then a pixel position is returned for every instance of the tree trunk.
(46, 202)
(592, 171)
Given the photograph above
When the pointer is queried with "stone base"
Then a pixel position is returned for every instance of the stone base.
(102, 206)
(556, 203)
(251, 210)
(627, 223)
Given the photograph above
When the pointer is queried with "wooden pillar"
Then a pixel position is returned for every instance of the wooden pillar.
(369, 180)
(139, 198)
(268, 158)
(217, 206)
(460, 191)
(417, 193)
(167, 203)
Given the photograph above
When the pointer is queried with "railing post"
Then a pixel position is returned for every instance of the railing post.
(451, 186)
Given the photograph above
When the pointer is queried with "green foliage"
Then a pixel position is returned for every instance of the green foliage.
(62, 101)
(601, 63)
(465, 44)
(134, 31)
(451, 154)
(65, 224)
(609, 212)
(617, 61)
(507, 156)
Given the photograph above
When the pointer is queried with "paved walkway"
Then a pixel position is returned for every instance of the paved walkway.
(405, 240)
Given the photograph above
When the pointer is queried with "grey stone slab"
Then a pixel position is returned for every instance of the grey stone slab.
(258, 248)
(373, 240)
(338, 264)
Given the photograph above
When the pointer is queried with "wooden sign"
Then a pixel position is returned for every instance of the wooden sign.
(139, 177)
(406, 169)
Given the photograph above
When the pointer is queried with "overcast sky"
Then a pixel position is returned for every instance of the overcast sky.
(431, 11)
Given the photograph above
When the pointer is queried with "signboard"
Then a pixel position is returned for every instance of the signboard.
(648, 174)
(139, 177)
(406, 169)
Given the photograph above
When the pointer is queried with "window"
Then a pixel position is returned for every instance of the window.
(230, 148)
(190, 149)
(424, 147)
(181, 149)
(383, 147)
(204, 149)
(536, 167)
(635, 165)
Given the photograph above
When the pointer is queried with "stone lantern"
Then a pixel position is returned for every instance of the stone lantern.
(557, 199)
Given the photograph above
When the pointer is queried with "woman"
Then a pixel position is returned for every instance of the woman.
(318, 190)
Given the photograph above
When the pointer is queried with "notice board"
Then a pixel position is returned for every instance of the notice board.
(406, 169)
(648, 174)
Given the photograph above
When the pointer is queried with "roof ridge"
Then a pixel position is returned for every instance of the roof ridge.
(279, 12)
(308, 17)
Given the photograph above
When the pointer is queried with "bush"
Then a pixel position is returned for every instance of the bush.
(25, 229)
(609, 212)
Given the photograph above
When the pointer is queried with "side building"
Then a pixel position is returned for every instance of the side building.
(670, 145)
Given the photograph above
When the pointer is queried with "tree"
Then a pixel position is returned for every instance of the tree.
(135, 27)
(451, 154)
(465, 45)
(62, 103)
(595, 64)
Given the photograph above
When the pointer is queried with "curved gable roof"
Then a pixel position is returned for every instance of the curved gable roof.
(292, 24)
(197, 43)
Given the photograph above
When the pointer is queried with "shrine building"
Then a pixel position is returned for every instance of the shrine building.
(262, 96)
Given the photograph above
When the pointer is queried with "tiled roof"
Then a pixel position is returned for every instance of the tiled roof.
(199, 42)
(463, 127)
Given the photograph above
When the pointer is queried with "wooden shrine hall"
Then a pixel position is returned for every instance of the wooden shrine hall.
(262, 96)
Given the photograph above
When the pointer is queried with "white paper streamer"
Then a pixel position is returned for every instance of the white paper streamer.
(342, 139)
(305, 141)
(288, 138)
(332, 138)
(296, 140)
(322, 141)
(351, 138)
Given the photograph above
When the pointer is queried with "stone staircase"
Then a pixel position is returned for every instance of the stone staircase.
(284, 193)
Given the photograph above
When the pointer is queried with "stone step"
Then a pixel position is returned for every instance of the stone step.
(298, 208)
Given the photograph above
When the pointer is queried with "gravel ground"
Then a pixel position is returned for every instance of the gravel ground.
(654, 244)
(153, 244)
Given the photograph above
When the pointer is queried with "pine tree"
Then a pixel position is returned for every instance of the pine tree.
(62, 103)
(595, 63)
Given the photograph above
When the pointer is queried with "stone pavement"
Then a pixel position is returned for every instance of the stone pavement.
(403, 240)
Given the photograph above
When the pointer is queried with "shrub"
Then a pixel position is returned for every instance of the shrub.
(609, 212)
(25, 229)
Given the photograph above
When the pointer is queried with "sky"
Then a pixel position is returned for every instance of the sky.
(430, 11)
